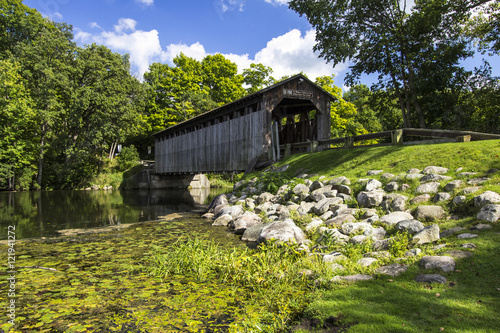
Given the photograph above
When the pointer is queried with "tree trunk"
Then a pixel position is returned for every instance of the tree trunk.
(40, 157)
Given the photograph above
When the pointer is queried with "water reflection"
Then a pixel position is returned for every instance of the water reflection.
(40, 214)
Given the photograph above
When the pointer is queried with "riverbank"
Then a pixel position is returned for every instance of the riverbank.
(410, 244)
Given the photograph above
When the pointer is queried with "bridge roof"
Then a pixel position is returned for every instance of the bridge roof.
(230, 107)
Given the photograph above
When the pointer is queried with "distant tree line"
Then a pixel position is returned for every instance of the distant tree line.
(65, 109)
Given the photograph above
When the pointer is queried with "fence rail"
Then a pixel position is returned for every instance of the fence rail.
(437, 136)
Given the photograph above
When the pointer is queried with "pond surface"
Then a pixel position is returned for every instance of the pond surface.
(42, 214)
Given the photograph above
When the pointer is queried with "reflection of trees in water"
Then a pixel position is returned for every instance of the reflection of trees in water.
(38, 214)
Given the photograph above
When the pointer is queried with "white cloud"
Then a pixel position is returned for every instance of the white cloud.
(58, 15)
(278, 2)
(94, 25)
(145, 2)
(287, 54)
(125, 24)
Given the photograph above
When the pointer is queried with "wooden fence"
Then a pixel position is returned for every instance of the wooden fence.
(396, 138)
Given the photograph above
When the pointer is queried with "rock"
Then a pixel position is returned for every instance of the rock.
(339, 220)
(324, 205)
(488, 197)
(430, 278)
(340, 181)
(477, 181)
(208, 216)
(374, 172)
(441, 196)
(450, 231)
(358, 239)
(344, 197)
(410, 226)
(245, 221)
(481, 226)
(443, 263)
(435, 169)
(372, 185)
(427, 235)
(314, 224)
(366, 262)
(223, 220)
(326, 216)
(337, 267)
(471, 189)
(317, 196)
(333, 257)
(354, 227)
(413, 176)
(395, 217)
(217, 201)
(316, 185)
(467, 235)
(458, 254)
(370, 199)
(469, 246)
(301, 189)
(262, 208)
(264, 197)
(414, 170)
(357, 277)
(305, 208)
(375, 233)
(392, 270)
(394, 202)
(453, 185)
(431, 187)
(489, 213)
(459, 200)
(252, 233)
(413, 252)
(420, 198)
(432, 177)
(387, 176)
(382, 244)
(378, 254)
(234, 211)
(344, 189)
(391, 187)
(282, 231)
(429, 213)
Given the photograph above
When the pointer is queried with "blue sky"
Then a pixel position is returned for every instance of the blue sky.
(245, 31)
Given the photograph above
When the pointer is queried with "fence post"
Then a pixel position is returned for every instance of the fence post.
(349, 142)
(314, 146)
(463, 138)
(288, 150)
(397, 137)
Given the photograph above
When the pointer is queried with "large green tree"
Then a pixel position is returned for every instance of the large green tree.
(413, 50)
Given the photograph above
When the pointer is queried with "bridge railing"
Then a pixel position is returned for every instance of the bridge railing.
(396, 138)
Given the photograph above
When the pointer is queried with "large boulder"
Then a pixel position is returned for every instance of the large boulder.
(316, 185)
(245, 221)
(217, 201)
(252, 234)
(338, 220)
(410, 226)
(489, 213)
(443, 263)
(372, 185)
(324, 205)
(355, 227)
(429, 213)
(300, 189)
(395, 217)
(222, 220)
(431, 187)
(264, 197)
(488, 197)
(282, 231)
(435, 169)
(370, 199)
(234, 211)
(427, 235)
(453, 185)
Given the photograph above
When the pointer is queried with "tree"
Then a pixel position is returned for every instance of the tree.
(257, 77)
(17, 121)
(485, 27)
(412, 50)
(343, 113)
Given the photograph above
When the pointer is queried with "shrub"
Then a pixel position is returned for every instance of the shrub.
(128, 158)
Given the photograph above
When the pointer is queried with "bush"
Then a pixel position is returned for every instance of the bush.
(128, 158)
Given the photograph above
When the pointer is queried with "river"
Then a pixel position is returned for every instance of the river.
(43, 213)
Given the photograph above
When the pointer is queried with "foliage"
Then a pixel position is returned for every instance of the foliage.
(399, 43)
(272, 181)
(128, 158)
(257, 77)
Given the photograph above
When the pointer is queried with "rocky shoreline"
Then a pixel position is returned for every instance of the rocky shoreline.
(370, 211)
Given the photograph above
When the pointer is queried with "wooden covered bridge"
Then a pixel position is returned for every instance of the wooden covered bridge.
(246, 132)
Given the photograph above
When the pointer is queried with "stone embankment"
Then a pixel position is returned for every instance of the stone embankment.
(328, 211)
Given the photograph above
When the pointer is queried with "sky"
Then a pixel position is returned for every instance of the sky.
(244, 31)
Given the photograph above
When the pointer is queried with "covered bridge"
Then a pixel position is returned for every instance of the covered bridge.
(247, 131)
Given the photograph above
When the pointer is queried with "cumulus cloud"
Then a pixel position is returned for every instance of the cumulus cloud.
(287, 54)
(145, 2)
